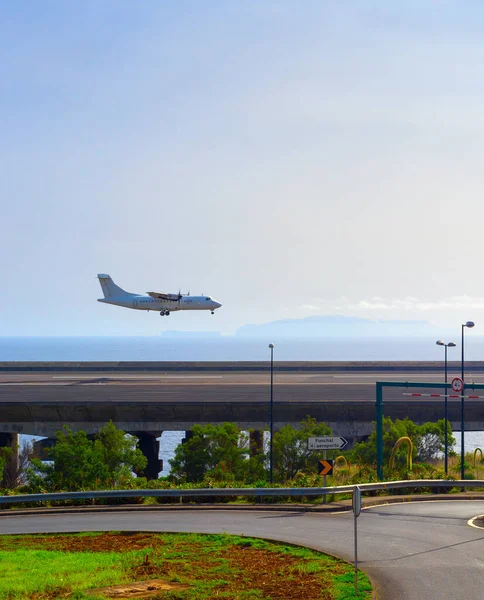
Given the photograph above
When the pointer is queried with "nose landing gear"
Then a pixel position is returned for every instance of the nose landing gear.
(164, 312)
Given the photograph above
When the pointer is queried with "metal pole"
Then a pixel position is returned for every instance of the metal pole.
(445, 417)
(356, 553)
(462, 409)
(271, 346)
(324, 478)
(379, 430)
(356, 501)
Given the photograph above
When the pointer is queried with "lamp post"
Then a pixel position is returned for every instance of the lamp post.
(271, 346)
(446, 443)
(469, 324)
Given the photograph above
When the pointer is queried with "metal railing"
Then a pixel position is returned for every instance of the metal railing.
(234, 492)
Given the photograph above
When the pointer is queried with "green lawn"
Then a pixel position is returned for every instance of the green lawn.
(48, 567)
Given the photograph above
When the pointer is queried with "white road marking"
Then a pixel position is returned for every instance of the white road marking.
(135, 377)
(471, 523)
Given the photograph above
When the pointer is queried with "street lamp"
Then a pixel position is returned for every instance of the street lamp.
(271, 346)
(469, 324)
(446, 443)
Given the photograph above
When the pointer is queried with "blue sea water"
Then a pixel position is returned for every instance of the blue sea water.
(158, 348)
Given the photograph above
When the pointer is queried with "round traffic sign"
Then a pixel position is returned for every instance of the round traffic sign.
(457, 384)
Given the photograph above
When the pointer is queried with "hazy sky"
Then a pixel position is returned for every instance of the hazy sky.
(288, 158)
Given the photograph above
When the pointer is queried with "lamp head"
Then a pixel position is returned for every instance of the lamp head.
(440, 343)
(469, 324)
(451, 344)
(271, 346)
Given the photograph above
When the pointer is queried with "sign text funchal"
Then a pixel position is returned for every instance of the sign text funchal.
(327, 442)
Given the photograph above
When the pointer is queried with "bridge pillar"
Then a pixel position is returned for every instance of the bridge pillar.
(256, 445)
(43, 447)
(188, 436)
(8, 439)
(149, 446)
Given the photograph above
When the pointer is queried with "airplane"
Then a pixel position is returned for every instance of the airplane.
(165, 303)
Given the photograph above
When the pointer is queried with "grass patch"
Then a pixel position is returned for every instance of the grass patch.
(47, 567)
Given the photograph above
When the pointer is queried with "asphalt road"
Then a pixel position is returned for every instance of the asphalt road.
(215, 386)
(413, 551)
(219, 378)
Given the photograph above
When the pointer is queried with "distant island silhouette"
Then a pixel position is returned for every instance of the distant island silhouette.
(336, 326)
(330, 326)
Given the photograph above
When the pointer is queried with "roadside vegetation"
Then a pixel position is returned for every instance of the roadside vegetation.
(183, 566)
(218, 456)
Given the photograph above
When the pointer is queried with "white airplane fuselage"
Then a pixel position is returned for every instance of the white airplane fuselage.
(156, 301)
(142, 302)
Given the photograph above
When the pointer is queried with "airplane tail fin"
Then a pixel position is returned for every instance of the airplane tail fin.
(110, 289)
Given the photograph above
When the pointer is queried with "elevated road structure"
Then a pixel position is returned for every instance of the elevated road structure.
(148, 398)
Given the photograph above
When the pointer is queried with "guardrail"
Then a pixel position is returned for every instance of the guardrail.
(258, 492)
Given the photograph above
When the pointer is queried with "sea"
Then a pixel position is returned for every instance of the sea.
(233, 348)
(161, 348)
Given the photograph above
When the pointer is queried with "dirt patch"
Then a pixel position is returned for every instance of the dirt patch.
(104, 542)
(139, 589)
(226, 569)
(276, 574)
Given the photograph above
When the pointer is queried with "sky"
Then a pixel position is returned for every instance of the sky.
(287, 158)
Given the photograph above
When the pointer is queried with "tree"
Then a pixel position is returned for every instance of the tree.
(119, 452)
(427, 440)
(7, 464)
(290, 448)
(80, 463)
(75, 464)
(217, 450)
(14, 464)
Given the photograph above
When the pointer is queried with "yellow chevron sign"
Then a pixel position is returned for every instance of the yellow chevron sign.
(325, 467)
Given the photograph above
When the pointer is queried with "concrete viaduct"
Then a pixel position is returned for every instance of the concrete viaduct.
(148, 398)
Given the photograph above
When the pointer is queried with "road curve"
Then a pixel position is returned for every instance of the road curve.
(412, 550)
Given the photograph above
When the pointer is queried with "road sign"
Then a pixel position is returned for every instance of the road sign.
(327, 442)
(457, 384)
(357, 501)
(325, 467)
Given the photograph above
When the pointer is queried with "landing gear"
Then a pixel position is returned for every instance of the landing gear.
(164, 313)
(213, 312)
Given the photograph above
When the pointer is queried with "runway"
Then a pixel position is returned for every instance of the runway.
(222, 378)
(193, 386)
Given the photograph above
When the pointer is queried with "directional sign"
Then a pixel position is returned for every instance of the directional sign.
(327, 442)
(325, 467)
(457, 384)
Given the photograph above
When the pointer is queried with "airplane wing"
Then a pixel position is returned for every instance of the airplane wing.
(164, 296)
